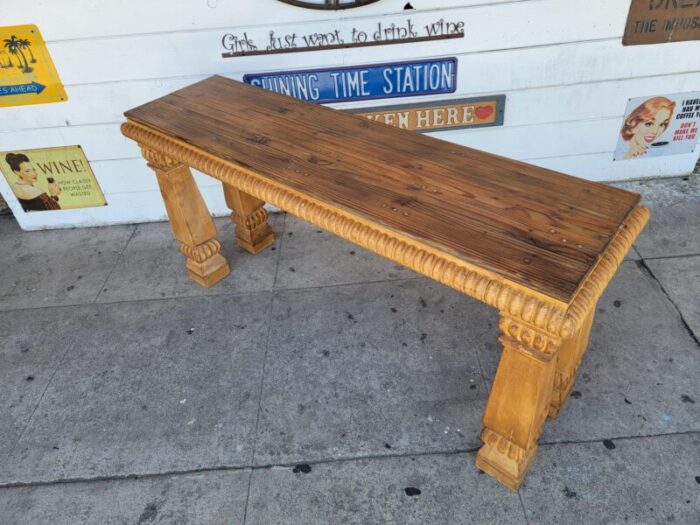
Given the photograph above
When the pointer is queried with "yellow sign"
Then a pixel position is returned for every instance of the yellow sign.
(51, 178)
(27, 74)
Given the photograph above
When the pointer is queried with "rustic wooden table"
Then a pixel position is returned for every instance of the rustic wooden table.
(538, 245)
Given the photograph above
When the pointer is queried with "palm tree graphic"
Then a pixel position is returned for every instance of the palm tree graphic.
(24, 43)
(14, 46)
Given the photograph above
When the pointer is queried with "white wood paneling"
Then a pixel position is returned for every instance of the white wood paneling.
(96, 18)
(488, 28)
(105, 103)
(601, 167)
(560, 63)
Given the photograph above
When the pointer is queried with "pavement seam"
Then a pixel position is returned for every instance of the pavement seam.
(322, 461)
(116, 263)
(41, 398)
(644, 267)
(662, 257)
(522, 505)
(227, 294)
(262, 372)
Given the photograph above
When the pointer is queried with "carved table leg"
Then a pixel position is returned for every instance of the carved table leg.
(518, 402)
(568, 359)
(252, 230)
(190, 219)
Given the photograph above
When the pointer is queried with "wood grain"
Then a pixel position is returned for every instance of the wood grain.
(536, 227)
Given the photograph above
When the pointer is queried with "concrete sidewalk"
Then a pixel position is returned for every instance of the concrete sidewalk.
(322, 384)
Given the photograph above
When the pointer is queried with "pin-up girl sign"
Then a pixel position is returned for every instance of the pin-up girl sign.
(656, 126)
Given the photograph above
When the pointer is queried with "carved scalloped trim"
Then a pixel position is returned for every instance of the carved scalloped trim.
(511, 299)
(157, 160)
(201, 252)
(598, 279)
(502, 445)
(251, 221)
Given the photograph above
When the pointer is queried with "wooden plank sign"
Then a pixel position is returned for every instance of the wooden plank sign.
(473, 112)
(343, 84)
(660, 21)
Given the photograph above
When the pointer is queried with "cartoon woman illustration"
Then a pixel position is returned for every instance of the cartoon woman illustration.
(646, 124)
(29, 196)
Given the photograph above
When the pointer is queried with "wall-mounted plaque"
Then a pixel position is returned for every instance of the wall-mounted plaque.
(441, 115)
(660, 21)
(343, 84)
(49, 179)
(659, 126)
(27, 73)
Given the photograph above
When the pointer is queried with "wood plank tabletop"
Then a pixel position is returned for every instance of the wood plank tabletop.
(536, 227)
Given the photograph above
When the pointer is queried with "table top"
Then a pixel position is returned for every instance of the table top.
(533, 226)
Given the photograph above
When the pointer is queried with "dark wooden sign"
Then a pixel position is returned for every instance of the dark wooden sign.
(660, 21)
(440, 115)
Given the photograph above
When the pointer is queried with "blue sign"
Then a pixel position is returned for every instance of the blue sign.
(22, 89)
(342, 84)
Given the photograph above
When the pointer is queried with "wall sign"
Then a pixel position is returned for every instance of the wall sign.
(51, 178)
(381, 33)
(659, 126)
(443, 115)
(27, 74)
(659, 21)
(400, 79)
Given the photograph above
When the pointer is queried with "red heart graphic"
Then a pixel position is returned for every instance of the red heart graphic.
(483, 112)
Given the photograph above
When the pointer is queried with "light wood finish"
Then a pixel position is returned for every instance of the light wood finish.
(252, 230)
(568, 360)
(538, 245)
(190, 219)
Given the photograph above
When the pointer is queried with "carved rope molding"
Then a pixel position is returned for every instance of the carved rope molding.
(201, 252)
(251, 221)
(511, 300)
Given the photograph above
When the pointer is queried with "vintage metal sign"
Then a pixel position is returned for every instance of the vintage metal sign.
(659, 21)
(27, 74)
(446, 114)
(400, 79)
(659, 126)
(51, 178)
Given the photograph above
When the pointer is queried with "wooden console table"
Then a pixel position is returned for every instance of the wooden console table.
(538, 245)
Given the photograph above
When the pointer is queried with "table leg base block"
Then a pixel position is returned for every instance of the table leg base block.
(503, 460)
(209, 272)
(258, 246)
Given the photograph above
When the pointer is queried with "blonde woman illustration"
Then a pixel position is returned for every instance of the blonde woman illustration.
(645, 125)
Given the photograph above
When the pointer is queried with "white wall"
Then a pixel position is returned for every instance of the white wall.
(560, 63)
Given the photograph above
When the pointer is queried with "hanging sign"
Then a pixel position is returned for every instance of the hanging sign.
(659, 126)
(659, 21)
(443, 115)
(27, 74)
(400, 79)
(51, 178)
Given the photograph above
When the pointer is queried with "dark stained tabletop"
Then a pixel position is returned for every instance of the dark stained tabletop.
(536, 227)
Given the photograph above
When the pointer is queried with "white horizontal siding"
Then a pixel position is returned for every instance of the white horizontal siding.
(89, 19)
(560, 63)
